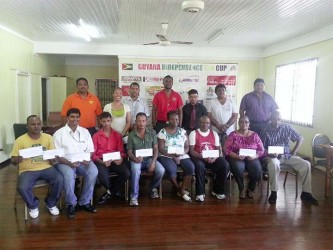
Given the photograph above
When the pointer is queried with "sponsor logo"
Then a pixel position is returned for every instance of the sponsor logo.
(127, 66)
(131, 78)
(226, 80)
(189, 79)
(152, 79)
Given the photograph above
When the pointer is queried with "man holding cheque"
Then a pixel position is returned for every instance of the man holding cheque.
(205, 153)
(276, 137)
(142, 149)
(109, 157)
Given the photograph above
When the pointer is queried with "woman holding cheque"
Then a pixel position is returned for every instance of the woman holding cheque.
(173, 146)
(243, 148)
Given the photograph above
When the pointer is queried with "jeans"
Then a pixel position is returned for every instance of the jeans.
(171, 166)
(89, 174)
(136, 169)
(121, 170)
(253, 168)
(27, 180)
(220, 168)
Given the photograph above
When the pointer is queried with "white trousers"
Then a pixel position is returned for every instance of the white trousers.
(301, 166)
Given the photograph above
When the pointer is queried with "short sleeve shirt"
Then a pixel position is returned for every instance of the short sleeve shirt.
(164, 104)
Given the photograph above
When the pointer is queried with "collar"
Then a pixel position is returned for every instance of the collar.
(88, 94)
(78, 128)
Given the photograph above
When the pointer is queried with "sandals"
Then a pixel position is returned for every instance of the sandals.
(186, 198)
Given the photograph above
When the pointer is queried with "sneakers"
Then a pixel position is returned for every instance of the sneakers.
(53, 210)
(200, 198)
(308, 198)
(154, 194)
(185, 191)
(34, 212)
(272, 198)
(71, 211)
(134, 202)
(104, 198)
(186, 198)
(219, 196)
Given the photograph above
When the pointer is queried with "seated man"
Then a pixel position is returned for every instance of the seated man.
(35, 168)
(76, 140)
(108, 140)
(207, 139)
(280, 134)
(143, 138)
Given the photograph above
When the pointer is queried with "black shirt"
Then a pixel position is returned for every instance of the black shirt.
(187, 110)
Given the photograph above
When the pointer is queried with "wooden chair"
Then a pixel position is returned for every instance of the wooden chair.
(150, 175)
(318, 153)
(114, 175)
(210, 178)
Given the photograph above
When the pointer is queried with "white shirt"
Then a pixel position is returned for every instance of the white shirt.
(221, 113)
(118, 123)
(137, 106)
(75, 142)
(192, 137)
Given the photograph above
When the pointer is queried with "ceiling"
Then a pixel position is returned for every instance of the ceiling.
(244, 23)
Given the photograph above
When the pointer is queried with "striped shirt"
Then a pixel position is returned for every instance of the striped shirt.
(280, 136)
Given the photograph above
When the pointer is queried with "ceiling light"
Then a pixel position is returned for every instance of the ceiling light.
(193, 6)
(83, 30)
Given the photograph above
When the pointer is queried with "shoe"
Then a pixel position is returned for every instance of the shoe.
(34, 212)
(250, 194)
(70, 211)
(154, 194)
(308, 198)
(242, 194)
(53, 210)
(200, 198)
(265, 176)
(185, 191)
(87, 207)
(272, 198)
(219, 196)
(186, 198)
(134, 202)
(104, 198)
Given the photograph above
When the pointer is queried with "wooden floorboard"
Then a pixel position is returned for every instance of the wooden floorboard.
(170, 223)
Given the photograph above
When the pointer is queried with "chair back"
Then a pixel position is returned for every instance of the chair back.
(19, 129)
(318, 152)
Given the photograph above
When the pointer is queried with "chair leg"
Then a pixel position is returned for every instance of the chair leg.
(296, 176)
(15, 200)
(25, 212)
(160, 190)
(285, 179)
(267, 192)
(126, 189)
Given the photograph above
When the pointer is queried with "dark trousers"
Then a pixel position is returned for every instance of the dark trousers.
(121, 170)
(258, 126)
(92, 131)
(159, 125)
(253, 168)
(220, 168)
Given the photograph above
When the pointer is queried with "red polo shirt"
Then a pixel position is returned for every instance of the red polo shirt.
(164, 104)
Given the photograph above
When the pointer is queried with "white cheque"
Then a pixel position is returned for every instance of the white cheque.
(52, 153)
(247, 152)
(31, 152)
(275, 150)
(144, 152)
(176, 150)
(210, 153)
(111, 156)
(79, 157)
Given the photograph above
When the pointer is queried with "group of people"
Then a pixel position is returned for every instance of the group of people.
(191, 136)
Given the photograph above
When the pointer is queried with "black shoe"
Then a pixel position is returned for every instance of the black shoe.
(308, 198)
(272, 198)
(104, 198)
(87, 207)
(265, 176)
(71, 211)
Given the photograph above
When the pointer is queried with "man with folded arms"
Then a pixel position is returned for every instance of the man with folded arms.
(280, 134)
(35, 168)
(143, 138)
(207, 139)
(108, 140)
(77, 143)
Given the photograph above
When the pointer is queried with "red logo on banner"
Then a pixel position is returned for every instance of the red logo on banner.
(125, 89)
(226, 80)
(127, 66)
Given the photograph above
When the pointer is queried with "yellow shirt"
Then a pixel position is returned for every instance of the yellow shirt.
(35, 163)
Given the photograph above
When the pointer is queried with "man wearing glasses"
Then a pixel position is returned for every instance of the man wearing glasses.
(78, 147)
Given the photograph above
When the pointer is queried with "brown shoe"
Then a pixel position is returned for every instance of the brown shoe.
(242, 194)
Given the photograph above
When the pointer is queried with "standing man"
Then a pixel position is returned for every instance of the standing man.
(206, 139)
(222, 113)
(136, 103)
(143, 138)
(76, 140)
(88, 104)
(35, 168)
(280, 134)
(258, 106)
(164, 101)
(108, 140)
(192, 112)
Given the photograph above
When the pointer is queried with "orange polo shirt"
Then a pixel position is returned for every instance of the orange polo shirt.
(89, 107)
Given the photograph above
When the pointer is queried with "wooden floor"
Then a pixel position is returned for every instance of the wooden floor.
(170, 223)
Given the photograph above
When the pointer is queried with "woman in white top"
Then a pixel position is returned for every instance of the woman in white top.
(120, 112)
(222, 113)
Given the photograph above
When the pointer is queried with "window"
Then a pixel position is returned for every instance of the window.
(294, 91)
